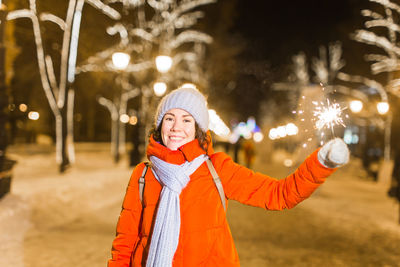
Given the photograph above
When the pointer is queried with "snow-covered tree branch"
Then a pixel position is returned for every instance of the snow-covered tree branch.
(163, 31)
(60, 93)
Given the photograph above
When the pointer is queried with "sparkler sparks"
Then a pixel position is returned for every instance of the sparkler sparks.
(327, 115)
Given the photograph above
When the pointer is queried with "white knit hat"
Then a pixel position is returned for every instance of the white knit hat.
(188, 99)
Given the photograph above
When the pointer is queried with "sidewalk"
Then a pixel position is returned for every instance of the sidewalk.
(14, 223)
(41, 200)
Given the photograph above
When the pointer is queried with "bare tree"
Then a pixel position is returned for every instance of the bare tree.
(388, 62)
(328, 64)
(163, 31)
(60, 95)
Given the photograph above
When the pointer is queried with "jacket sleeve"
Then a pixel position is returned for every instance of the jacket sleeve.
(128, 223)
(259, 190)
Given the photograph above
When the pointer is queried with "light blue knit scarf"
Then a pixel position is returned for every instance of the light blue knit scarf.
(165, 237)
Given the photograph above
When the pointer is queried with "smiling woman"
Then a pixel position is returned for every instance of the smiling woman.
(177, 128)
(174, 214)
(182, 116)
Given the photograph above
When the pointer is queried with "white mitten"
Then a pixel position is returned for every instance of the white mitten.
(334, 153)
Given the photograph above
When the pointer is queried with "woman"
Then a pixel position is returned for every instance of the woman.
(181, 219)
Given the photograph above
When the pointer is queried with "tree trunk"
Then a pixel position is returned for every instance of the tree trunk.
(115, 139)
(388, 127)
(61, 141)
(3, 88)
(121, 136)
(70, 125)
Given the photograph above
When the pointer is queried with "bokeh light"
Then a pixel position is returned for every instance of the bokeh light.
(124, 118)
(159, 88)
(120, 60)
(356, 106)
(163, 63)
(33, 115)
(382, 107)
(23, 107)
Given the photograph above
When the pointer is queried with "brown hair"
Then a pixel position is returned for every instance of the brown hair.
(202, 137)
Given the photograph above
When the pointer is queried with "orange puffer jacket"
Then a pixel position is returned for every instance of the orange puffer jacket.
(205, 238)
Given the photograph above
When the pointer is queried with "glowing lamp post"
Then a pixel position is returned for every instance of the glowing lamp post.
(133, 120)
(163, 63)
(33, 115)
(23, 107)
(356, 106)
(159, 88)
(120, 60)
(291, 129)
(124, 118)
(382, 107)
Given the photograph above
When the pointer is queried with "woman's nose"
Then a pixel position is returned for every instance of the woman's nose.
(176, 126)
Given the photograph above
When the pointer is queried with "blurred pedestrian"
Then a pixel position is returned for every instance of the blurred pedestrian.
(249, 152)
(394, 190)
(236, 149)
(174, 209)
(372, 151)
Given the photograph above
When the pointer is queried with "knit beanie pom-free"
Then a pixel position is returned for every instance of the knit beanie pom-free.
(188, 99)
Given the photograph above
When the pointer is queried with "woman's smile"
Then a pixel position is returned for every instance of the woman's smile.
(178, 128)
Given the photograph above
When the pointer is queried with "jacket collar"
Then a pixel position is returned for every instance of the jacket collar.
(187, 152)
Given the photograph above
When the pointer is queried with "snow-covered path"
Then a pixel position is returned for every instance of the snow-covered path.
(69, 220)
(348, 221)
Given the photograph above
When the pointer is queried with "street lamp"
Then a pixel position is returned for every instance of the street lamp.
(382, 107)
(258, 137)
(133, 120)
(356, 106)
(33, 115)
(159, 88)
(124, 118)
(163, 63)
(120, 60)
(291, 129)
(23, 107)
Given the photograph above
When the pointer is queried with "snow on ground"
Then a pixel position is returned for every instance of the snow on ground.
(348, 221)
(69, 220)
(49, 202)
(14, 222)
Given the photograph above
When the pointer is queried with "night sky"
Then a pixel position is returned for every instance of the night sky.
(276, 30)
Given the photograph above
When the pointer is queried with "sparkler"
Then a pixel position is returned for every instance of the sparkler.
(327, 115)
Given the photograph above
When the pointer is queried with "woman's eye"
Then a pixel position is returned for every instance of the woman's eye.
(168, 119)
(187, 120)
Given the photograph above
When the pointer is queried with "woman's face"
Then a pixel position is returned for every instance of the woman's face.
(178, 128)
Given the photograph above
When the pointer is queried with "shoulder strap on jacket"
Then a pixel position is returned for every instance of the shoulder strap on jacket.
(217, 182)
(142, 181)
